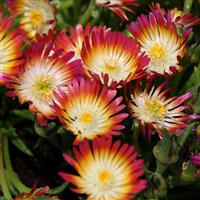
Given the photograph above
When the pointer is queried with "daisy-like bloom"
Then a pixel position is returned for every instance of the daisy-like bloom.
(88, 110)
(34, 194)
(195, 160)
(10, 48)
(159, 39)
(42, 75)
(180, 18)
(154, 108)
(118, 6)
(38, 15)
(112, 57)
(74, 41)
(106, 170)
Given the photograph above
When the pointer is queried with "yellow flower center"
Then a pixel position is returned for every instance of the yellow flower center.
(156, 108)
(110, 69)
(86, 117)
(44, 87)
(105, 180)
(36, 17)
(157, 52)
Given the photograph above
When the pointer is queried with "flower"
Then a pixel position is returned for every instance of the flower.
(41, 76)
(75, 40)
(159, 39)
(88, 110)
(180, 18)
(154, 108)
(106, 170)
(38, 15)
(195, 160)
(117, 6)
(112, 57)
(10, 48)
(34, 194)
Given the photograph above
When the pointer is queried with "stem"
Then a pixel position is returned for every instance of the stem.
(161, 168)
(187, 5)
(85, 17)
(12, 175)
(3, 180)
(58, 189)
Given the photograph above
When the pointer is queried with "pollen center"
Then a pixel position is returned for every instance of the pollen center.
(157, 51)
(156, 108)
(44, 87)
(36, 17)
(105, 180)
(110, 69)
(86, 117)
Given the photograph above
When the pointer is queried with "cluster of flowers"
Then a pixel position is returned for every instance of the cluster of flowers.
(77, 78)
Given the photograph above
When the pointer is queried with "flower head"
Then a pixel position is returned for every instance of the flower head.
(88, 110)
(195, 160)
(154, 108)
(180, 18)
(38, 15)
(159, 39)
(10, 48)
(106, 170)
(74, 41)
(34, 194)
(113, 57)
(41, 76)
(117, 6)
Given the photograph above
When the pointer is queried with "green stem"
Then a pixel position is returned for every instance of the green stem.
(187, 5)
(3, 180)
(161, 168)
(12, 175)
(58, 189)
(85, 17)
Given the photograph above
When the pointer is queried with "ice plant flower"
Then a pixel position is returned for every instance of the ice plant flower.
(195, 160)
(106, 170)
(181, 19)
(118, 6)
(41, 76)
(88, 110)
(34, 194)
(10, 48)
(112, 57)
(38, 16)
(154, 108)
(74, 41)
(159, 39)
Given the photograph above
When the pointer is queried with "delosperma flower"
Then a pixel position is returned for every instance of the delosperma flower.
(88, 110)
(195, 159)
(41, 76)
(180, 18)
(154, 108)
(106, 170)
(10, 48)
(118, 6)
(74, 41)
(159, 39)
(34, 194)
(38, 16)
(112, 57)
